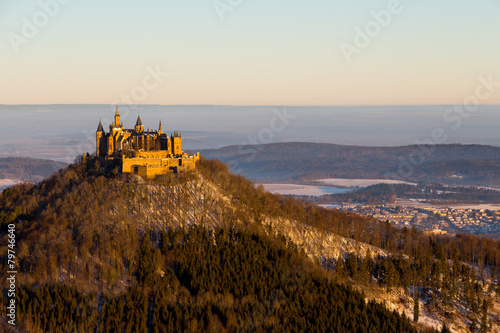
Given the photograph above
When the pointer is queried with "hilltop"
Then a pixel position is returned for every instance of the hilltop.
(453, 164)
(207, 250)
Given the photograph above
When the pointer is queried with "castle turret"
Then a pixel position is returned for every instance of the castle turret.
(99, 134)
(176, 144)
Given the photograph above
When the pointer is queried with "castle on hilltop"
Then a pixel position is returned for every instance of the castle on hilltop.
(145, 153)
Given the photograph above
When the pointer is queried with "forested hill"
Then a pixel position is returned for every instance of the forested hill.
(449, 164)
(28, 169)
(208, 251)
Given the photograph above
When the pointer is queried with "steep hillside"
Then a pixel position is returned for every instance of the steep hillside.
(450, 164)
(209, 251)
(76, 204)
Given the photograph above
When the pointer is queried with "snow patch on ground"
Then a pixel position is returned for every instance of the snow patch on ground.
(8, 182)
(360, 182)
(321, 245)
(295, 189)
(476, 206)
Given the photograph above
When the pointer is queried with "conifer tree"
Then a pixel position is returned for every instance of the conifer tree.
(416, 306)
(364, 270)
(484, 317)
(147, 261)
(352, 265)
(339, 266)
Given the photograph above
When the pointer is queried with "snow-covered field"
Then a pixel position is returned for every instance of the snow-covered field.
(297, 189)
(476, 206)
(8, 182)
(329, 186)
(343, 182)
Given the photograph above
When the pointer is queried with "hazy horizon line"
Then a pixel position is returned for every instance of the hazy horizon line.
(249, 105)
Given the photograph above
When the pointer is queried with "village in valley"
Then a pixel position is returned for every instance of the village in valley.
(436, 220)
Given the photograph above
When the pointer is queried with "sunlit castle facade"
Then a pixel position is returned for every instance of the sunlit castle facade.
(145, 153)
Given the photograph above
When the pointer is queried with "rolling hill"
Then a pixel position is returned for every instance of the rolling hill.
(18, 169)
(452, 164)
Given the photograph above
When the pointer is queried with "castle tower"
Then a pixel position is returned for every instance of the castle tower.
(139, 128)
(159, 129)
(99, 134)
(147, 140)
(176, 144)
(117, 118)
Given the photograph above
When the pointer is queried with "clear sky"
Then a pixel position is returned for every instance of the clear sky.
(248, 52)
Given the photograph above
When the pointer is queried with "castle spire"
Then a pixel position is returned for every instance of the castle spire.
(138, 125)
(159, 128)
(139, 121)
(99, 128)
(98, 137)
(117, 117)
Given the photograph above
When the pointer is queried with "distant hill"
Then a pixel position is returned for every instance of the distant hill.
(28, 169)
(387, 193)
(449, 164)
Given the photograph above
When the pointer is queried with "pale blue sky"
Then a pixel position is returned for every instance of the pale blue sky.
(281, 52)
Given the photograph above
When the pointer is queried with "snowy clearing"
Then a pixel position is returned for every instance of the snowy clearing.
(344, 182)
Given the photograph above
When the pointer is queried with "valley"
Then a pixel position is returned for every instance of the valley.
(451, 164)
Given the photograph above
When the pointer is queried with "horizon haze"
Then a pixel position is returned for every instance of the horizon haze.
(61, 132)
